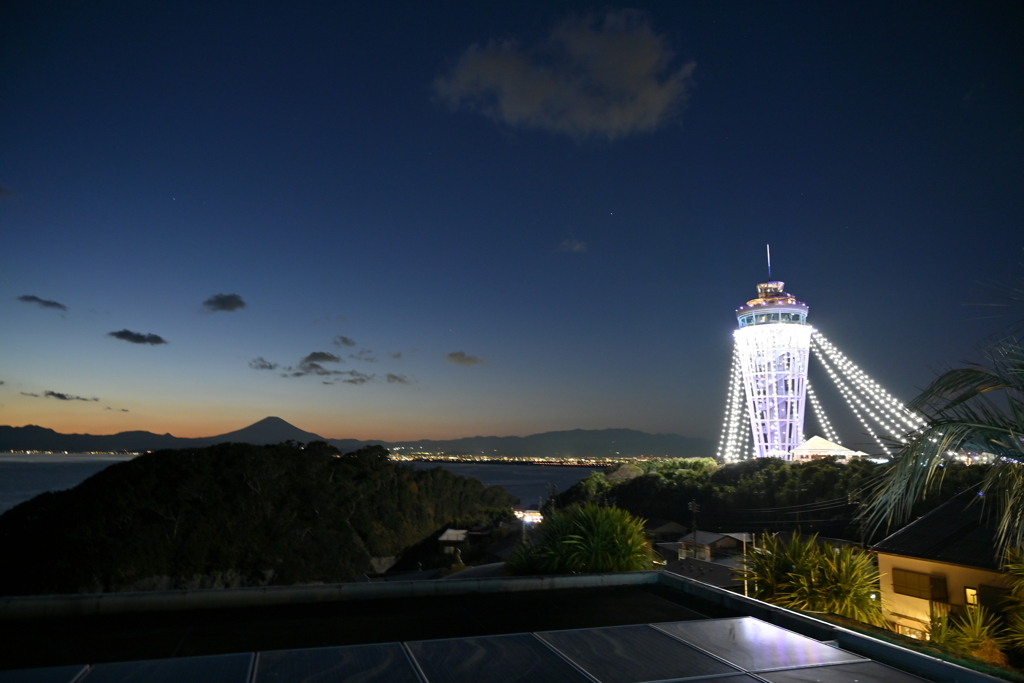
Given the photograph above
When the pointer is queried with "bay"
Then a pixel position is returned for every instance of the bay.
(529, 483)
(24, 476)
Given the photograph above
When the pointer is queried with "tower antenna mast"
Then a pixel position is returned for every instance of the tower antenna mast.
(768, 248)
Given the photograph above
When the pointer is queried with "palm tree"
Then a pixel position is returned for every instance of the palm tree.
(1013, 569)
(978, 407)
(815, 577)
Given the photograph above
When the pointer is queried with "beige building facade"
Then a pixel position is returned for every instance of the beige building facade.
(912, 588)
(941, 563)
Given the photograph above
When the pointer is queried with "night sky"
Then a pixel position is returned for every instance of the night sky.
(433, 220)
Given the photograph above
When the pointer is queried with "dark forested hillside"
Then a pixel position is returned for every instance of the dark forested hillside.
(232, 514)
(756, 495)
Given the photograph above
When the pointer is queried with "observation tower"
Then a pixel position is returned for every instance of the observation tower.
(769, 388)
(772, 347)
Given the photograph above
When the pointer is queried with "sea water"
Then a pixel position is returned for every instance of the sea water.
(26, 475)
(529, 483)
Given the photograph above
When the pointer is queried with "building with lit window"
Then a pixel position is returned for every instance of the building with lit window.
(940, 563)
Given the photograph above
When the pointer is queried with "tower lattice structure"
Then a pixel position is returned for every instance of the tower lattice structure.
(772, 347)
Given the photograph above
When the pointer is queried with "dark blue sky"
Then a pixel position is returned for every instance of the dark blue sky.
(573, 197)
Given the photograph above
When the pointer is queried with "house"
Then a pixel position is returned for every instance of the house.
(663, 529)
(942, 562)
(707, 545)
(452, 539)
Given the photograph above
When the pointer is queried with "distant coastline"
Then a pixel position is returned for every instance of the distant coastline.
(507, 460)
(588, 446)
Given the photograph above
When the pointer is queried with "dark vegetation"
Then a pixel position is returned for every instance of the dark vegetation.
(584, 539)
(234, 514)
(764, 494)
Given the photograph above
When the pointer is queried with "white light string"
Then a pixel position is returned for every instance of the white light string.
(884, 401)
(848, 397)
(819, 413)
(730, 447)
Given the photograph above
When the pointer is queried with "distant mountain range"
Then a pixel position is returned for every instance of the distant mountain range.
(271, 430)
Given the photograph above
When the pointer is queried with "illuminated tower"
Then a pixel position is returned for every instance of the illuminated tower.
(772, 345)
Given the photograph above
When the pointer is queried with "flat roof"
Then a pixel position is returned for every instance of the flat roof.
(637, 627)
(725, 650)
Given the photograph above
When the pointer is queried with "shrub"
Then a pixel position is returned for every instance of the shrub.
(585, 539)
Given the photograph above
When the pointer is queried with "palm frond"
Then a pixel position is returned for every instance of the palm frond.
(979, 407)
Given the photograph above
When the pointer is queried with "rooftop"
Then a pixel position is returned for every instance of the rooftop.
(622, 628)
(958, 532)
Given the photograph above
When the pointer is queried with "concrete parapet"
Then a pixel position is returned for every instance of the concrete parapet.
(96, 604)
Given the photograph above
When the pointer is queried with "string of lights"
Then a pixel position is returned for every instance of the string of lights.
(731, 446)
(864, 401)
(819, 413)
(870, 388)
(851, 401)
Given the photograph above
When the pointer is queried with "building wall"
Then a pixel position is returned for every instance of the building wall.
(909, 612)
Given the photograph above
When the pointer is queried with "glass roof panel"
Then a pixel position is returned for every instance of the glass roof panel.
(863, 672)
(627, 654)
(213, 669)
(520, 658)
(755, 645)
(53, 674)
(386, 663)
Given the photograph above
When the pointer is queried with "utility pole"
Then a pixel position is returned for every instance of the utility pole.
(694, 507)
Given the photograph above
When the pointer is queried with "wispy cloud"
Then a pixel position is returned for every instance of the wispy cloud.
(573, 245)
(59, 395)
(137, 337)
(44, 303)
(344, 341)
(462, 358)
(397, 355)
(223, 302)
(311, 365)
(261, 363)
(356, 377)
(608, 76)
(398, 379)
(321, 357)
(118, 410)
(67, 397)
(364, 355)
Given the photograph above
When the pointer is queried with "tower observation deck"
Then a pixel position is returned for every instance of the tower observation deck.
(772, 347)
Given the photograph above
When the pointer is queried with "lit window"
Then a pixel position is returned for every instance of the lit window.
(911, 632)
(971, 596)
